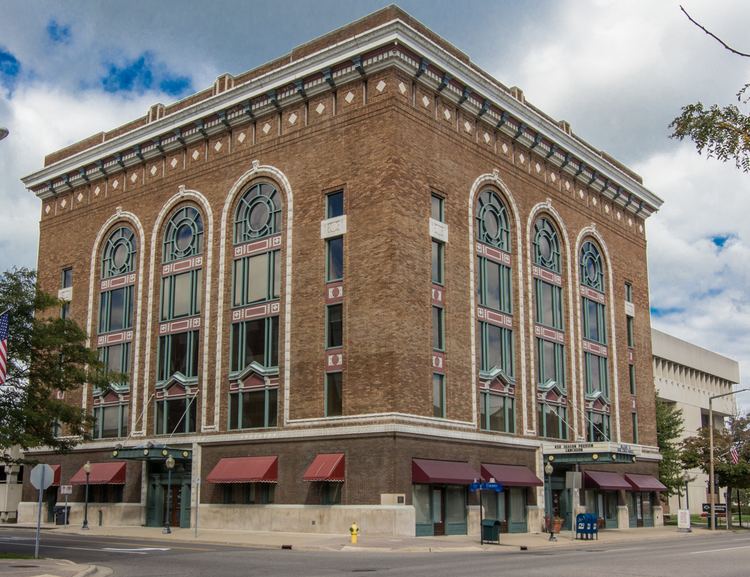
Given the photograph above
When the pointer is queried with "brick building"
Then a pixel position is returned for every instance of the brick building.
(351, 282)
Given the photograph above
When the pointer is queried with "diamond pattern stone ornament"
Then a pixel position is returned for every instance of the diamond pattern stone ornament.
(593, 201)
(486, 138)
(80, 196)
(505, 148)
(153, 170)
(552, 177)
(538, 168)
(133, 177)
(47, 209)
(266, 128)
(567, 185)
(380, 86)
(242, 137)
(349, 97)
(320, 108)
(173, 164)
(521, 158)
(580, 193)
(217, 146)
(292, 118)
(619, 215)
(64, 203)
(606, 208)
(467, 126)
(425, 101)
(446, 113)
(402, 88)
(630, 221)
(196, 155)
(640, 227)
(115, 184)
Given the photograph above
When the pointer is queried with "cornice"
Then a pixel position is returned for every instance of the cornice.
(394, 43)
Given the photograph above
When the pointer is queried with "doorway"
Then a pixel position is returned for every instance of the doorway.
(157, 509)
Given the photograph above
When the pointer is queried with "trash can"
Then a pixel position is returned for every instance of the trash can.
(490, 531)
(61, 516)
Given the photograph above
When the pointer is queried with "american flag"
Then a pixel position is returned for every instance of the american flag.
(734, 454)
(4, 320)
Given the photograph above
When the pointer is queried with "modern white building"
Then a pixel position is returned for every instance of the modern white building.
(11, 477)
(687, 375)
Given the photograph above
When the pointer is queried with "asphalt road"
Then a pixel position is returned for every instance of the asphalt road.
(727, 556)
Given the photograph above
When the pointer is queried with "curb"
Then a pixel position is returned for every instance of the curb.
(90, 570)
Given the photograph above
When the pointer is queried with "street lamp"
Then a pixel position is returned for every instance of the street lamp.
(169, 463)
(711, 481)
(548, 471)
(87, 470)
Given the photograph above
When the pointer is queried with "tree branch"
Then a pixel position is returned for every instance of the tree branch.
(714, 36)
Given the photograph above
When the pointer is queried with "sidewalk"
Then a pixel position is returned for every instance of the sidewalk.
(48, 568)
(383, 543)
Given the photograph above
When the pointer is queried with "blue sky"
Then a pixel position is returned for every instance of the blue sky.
(617, 71)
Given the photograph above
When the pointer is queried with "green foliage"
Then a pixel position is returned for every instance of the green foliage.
(669, 427)
(47, 358)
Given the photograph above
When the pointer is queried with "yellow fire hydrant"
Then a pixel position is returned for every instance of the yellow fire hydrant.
(354, 532)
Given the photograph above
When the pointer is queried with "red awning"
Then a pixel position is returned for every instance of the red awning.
(326, 467)
(245, 470)
(511, 475)
(112, 473)
(442, 472)
(645, 482)
(606, 481)
(56, 469)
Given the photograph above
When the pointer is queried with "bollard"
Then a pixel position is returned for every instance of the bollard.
(354, 532)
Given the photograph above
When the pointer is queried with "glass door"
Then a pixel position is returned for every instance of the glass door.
(438, 509)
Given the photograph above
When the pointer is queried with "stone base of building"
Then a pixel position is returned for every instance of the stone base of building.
(99, 514)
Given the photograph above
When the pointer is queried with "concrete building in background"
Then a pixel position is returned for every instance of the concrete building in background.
(687, 375)
(11, 479)
(348, 284)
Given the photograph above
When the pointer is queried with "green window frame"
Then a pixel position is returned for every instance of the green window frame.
(116, 310)
(333, 393)
(592, 274)
(438, 395)
(335, 258)
(437, 208)
(631, 379)
(335, 204)
(181, 295)
(248, 493)
(255, 409)
(256, 278)
(629, 322)
(258, 213)
(119, 253)
(66, 281)
(594, 321)
(116, 358)
(178, 353)
(175, 415)
(549, 304)
(183, 237)
(598, 427)
(550, 362)
(494, 287)
(438, 262)
(335, 326)
(597, 374)
(496, 348)
(497, 412)
(552, 421)
(330, 493)
(438, 329)
(634, 420)
(246, 344)
(111, 421)
(546, 245)
(492, 221)
(628, 292)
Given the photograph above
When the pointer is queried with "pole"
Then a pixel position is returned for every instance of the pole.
(711, 463)
(39, 517)
(739, 507)
(167, 528)
(65, 513)
(86, 505)
(197, 503)
(481, 527)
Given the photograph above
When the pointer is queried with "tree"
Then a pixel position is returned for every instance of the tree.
(696, 453)
(669, 427)
(722, 132)
(47, 358)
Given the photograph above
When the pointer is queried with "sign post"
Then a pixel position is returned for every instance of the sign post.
(197, 502)
(479, 487)
(66, 490)
(41, 477)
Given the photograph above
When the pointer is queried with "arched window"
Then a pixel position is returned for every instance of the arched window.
(552, 412)
(115, 330)
(492, 221)
(258, 213)
(180, 322)
(494, 311)
(595, 365)
(256, 289)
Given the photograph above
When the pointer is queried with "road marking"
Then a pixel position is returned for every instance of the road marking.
(139, 550)
(719, 550)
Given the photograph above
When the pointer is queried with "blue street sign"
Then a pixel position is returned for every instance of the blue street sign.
(497, 487)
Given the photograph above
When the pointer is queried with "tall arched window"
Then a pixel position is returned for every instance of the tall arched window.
(180, 322)
(256, 288)
(596, 370)
(115, 330)
(494, 311)
(552, 412)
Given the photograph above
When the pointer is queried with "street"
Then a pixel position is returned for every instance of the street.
(696, 556)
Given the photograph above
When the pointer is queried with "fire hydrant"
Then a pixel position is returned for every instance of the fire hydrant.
(354, 532)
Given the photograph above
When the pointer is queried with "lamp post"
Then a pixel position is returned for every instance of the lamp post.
(87, 470)
(711, 480)
(169, 463)
(548, 471)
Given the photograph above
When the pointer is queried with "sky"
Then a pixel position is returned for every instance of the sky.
(618, 71)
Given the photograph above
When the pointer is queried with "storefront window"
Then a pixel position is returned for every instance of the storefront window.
(421, 502)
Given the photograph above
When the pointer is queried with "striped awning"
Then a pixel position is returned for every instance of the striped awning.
(112, 473)
(326, 467)
(245, 470)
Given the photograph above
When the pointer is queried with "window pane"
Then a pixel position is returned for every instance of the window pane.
(253, 409)
(191, 413)
(492, 285)
(178, 354)
(335, 204)
(631, 376)
(197, 291)
(592, 324)
(546, 304)
(257, 277)
(255, 342)
(234, 407)
(114, 358)
(421, 501)
(193, 355)
(335, 326)
(239, 279)
(125, 417)
(438, 400)
(548, 361)
(335, 258)
(333, 394)
(182, 296)
(273, 402)
(276, 255)
(496, 413)
(234, 354)
(437, 328)
(437, 262)
(436, 209)
(494, 347)
(274, 337)
(175, 419)
(116, 310)
(160, 429)
(455, 505)
(110, 421)
(67, 278)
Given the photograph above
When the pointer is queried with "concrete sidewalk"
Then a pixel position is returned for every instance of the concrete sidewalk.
(328, 542)
(49, 568)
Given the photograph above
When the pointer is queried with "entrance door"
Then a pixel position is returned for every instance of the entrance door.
(438, 510)
(172, 504)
